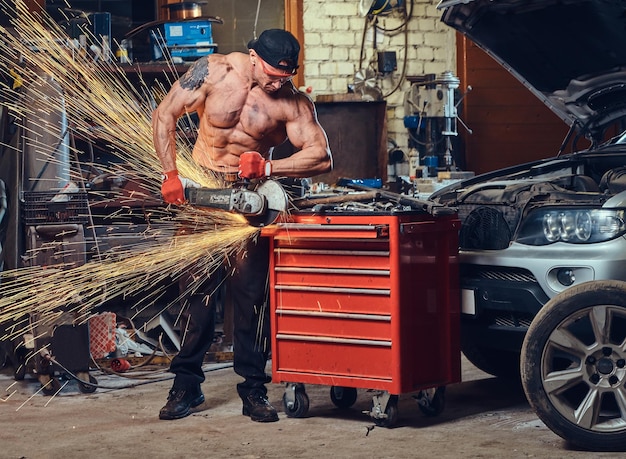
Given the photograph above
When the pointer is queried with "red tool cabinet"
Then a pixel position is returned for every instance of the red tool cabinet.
(364, 301)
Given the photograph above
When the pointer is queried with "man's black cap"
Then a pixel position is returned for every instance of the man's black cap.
(275, 46)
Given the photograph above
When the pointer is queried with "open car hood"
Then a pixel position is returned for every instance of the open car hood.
(569, 53)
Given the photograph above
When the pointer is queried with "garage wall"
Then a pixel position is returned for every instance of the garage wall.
(509, 124)
(334, 32)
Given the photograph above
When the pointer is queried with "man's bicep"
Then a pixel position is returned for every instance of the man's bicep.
(305, 130)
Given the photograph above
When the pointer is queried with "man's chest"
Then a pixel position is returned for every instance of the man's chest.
(256, 114)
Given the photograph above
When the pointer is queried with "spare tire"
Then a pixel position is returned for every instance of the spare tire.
(573, 365)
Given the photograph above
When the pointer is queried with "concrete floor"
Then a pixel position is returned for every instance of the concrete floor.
(483, 417)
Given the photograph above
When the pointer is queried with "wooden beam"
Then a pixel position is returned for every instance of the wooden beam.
(293, 23)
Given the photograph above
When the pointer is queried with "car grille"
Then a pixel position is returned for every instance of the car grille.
(485, 228)
(510, 321)
(497, 273)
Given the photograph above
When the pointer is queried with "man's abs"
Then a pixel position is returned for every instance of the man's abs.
(220, 148)
(220, 152)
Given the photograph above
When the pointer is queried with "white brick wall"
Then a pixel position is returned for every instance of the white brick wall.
(333, 32)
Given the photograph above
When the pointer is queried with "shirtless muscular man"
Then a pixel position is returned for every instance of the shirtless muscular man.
(246, 105)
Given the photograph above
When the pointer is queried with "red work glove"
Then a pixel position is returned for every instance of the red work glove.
(172, 188)
(253, 165)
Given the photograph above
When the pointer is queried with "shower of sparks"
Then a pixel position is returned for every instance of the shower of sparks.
(101, 104)
(49, 293)
(99, 98)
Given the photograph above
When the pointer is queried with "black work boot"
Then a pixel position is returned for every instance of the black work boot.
(256, 405)
(180, 402)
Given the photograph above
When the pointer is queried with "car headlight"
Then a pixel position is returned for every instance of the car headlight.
(575, 226)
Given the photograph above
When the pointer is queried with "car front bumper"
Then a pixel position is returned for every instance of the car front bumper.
(502, 290)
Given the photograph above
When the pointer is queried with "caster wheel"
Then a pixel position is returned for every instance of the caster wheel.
(300, 406)
(86, 388)
(431, 401)
(49, 384)
(391, 413)
(343, 397)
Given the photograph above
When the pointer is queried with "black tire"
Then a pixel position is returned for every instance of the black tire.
(300, 407)
(49, 384)
(574, 365)
(391, 411)
(343, 397)
(431, 402)
(496, 362)
(83, 386)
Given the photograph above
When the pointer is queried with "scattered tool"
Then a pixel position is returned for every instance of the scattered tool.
(418, 204)
(306, 203)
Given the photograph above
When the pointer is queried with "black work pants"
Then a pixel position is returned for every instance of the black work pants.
(246, 276)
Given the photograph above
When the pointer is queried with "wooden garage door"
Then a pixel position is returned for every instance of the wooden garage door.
(510, 125)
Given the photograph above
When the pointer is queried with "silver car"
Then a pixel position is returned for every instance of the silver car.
(536, 236)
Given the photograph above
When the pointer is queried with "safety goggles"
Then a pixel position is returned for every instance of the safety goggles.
(282, 77)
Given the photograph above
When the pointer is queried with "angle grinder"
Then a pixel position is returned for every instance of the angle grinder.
(261, 206)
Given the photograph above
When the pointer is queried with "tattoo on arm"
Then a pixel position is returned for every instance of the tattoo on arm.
(194, 77)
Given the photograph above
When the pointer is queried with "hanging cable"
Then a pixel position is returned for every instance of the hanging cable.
(256, 19)
(366, 25)
(372, 21)
(403, 25)
(404, 65)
